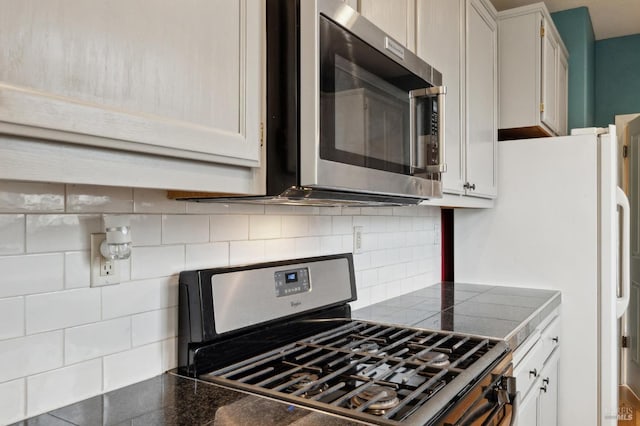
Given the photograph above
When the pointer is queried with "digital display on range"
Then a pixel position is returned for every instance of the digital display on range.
(292, 282)
(291, 277)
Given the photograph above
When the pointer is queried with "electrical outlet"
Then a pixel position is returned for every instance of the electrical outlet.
(357, 239)
(103, 271)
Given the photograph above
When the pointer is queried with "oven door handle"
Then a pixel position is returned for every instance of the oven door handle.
(416, 154)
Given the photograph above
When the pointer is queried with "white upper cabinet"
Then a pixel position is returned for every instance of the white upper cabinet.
(533, 74)
(459, 38)
(395, 17)
(182, 80)
(481, 99)
(440, 41)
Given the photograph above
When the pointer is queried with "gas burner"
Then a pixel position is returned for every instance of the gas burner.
(386, 398)
(307, 379)
(370, 347)
(436, 359)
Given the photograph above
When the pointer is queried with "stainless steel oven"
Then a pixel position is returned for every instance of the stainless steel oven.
(349, 109)
(283, 330)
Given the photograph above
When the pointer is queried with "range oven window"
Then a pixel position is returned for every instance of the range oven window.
(364, 96)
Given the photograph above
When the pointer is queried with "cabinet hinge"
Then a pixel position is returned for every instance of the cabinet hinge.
(625, 341)
(261, 134)
(541, 106)
(625, 151)
(541, 30)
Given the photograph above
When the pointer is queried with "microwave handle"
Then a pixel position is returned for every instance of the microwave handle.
(439, 92)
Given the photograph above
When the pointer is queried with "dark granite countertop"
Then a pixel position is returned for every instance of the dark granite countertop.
(501, 312)
(507, 313)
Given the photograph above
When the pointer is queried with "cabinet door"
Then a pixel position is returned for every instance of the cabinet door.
(549, 107)
(528, 408)
(152, 76)
(395, 17)
(481, 100)
(563, 94)
(440, 42)
(548, 413)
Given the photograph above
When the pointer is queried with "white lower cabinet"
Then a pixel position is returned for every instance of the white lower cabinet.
(536, 371)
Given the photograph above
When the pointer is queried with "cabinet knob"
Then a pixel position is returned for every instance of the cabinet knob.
(543, 388)
(555, 339)
(533, 372)
(471, 186)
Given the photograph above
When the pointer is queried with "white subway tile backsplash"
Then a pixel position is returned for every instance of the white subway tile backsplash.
(169, 354)
(11, 317)
(146, 229)
(295, 226)
(208, 255)
(31, 274)
(12, 401)
(331, 244)
(263, 227)
(132, 366)
(77, 269)
(12, 236)
(224, 208)
(156, 201)
(29, 355)
(229, 227)
(342, 225)
(139, 296)
(276, 209)
(241, 252)
(97, 339)
(179, 229)
(126, 332)
(308, 246)
(154, 326)
(63, 386)
(99, 199)
(61, 232)
(151, 262)
(319, 225)
(18, 197)
(53, 311)
(280, 249)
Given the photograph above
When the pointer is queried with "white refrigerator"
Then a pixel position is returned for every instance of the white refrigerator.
(556, 225)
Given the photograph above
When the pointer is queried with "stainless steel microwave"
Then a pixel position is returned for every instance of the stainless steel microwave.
(352, 115)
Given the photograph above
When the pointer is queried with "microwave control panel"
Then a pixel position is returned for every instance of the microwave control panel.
(292, 282)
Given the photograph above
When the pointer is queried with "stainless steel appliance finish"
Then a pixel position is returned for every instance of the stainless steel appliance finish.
(320, 358)
(353, 117)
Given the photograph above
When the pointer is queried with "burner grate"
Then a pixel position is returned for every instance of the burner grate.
(364, 370)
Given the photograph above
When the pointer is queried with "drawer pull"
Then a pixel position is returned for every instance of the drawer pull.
(533, 372)
(545, 381)
(555, 339)
(543, 388)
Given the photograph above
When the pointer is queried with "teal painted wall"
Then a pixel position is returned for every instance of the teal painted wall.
(574, 26)
(617, 78)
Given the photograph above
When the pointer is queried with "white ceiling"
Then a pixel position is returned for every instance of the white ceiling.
(610, 18)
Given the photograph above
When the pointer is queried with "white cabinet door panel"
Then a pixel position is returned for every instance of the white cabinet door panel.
(395, 17)
(481, 100)
(440, 43)
(549, 80)
(175, 78)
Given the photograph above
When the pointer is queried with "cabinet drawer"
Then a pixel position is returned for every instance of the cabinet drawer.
(551, 337)
(528, 370)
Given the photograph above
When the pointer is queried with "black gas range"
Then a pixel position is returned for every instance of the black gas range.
(283, 330)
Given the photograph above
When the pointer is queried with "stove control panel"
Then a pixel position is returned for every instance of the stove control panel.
(293, 281)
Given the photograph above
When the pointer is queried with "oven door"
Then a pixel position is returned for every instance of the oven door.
(490, 403)
(379, 112)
